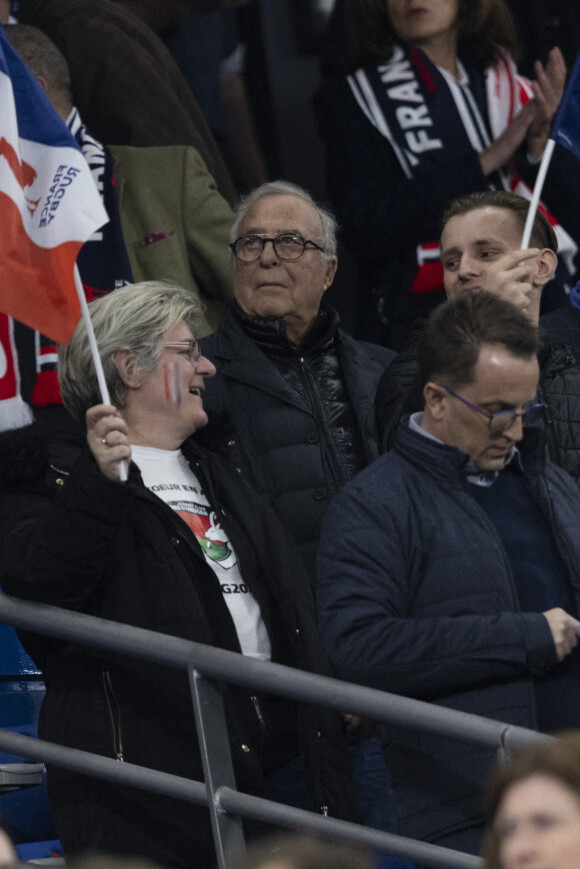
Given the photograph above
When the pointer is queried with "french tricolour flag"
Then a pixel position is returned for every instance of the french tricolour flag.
(49, 204)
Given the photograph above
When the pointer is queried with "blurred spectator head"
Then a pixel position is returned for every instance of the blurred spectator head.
(7, 852)
(296, 851)
(534, 808)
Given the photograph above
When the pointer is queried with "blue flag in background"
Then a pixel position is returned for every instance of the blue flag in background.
(566, 129)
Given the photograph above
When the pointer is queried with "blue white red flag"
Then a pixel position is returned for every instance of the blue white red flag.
(566, 128)
(49, 204)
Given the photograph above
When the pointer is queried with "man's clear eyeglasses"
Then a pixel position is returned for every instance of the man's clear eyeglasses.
(501, 420)
(248, 248)
(191, 348)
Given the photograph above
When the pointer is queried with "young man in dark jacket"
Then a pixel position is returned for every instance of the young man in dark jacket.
(449, 569)
(480, 249)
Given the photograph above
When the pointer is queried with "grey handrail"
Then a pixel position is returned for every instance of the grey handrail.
(207, 662)
(230, 800)
(276, 679)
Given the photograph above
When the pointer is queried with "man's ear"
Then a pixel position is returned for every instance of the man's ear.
(124, 362)
(42, 82)
(435, 400)
(330, 272)
(547, 263)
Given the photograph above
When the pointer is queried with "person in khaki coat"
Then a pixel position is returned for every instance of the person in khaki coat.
(175, 224)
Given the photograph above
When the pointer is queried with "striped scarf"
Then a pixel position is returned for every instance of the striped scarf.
(427, 115)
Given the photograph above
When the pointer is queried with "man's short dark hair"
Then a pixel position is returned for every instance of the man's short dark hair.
(457, 330)
(542, 235)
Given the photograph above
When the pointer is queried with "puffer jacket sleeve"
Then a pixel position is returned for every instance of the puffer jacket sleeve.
(371, 562)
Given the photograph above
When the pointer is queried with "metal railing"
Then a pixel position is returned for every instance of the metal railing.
(226, 805)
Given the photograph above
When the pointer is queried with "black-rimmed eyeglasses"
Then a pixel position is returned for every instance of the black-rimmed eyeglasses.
(501, 420)
(248, 248)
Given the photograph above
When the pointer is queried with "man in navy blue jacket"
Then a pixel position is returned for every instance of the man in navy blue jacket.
(449, 569)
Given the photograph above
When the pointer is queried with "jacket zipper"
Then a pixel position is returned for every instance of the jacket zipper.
(114, 715)
(59, 470)
(336, 465)
(258, 711)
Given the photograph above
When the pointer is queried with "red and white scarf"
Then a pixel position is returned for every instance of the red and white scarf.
(427, 115)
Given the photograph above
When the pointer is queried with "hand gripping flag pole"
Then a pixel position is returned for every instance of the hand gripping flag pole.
(566, 131)
(95, 353)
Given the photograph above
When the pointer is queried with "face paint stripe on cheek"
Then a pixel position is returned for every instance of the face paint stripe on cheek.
(166, 382)
(177, 386)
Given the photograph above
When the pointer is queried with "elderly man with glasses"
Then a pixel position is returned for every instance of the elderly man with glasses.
(292, 401)
(449, 570)
(291, 405)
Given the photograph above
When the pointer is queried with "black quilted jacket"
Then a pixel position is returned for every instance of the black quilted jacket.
(300, 421)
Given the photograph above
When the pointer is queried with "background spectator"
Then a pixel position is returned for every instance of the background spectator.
(448, 571)
(432, 108)
(296, 851)
(480, 248)
(534, 808)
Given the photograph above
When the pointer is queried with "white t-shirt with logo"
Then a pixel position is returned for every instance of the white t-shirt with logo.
(167, 474)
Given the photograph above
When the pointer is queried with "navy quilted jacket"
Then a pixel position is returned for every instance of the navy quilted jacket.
(416, 596)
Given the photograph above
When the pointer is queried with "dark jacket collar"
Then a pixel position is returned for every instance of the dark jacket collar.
(271, 337)
(449, 465)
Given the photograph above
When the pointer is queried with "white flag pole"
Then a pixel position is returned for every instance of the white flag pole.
(95, 353)
(542, 171)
